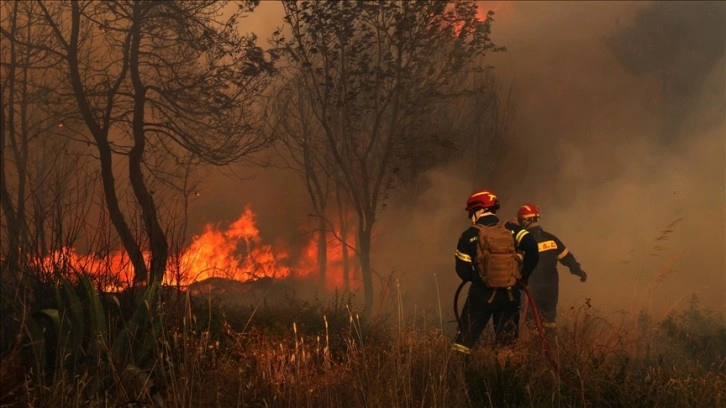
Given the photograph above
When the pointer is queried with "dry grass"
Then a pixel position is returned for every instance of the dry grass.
(312, 354)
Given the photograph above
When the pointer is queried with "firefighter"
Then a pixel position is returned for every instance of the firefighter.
(483, 303)
(544, 284)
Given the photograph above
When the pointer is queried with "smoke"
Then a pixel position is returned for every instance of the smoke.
(644, 215)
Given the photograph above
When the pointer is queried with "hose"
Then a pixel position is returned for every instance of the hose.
(546, 345)
(540, 330)
(456, 304)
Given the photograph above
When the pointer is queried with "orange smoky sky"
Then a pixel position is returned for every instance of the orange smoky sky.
(501, 9)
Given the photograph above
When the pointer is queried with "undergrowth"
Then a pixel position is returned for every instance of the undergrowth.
(316, 353)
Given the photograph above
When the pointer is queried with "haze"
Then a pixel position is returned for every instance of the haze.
(584, 144)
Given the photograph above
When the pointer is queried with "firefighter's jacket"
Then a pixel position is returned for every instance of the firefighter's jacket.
(466, 249)
(551, 250)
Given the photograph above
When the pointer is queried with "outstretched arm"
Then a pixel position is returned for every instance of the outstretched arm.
(568, 259)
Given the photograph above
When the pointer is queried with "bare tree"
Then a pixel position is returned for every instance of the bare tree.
(149, 77)
(43, 198)
(480, 120)
(370, 72)
(300, 151)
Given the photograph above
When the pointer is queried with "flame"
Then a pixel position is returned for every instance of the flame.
(237, 252)
(98, 266)
(335, 265)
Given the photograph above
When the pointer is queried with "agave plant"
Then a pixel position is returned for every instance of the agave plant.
(78, 341)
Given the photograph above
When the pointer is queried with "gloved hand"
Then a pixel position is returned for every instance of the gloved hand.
(583, 276)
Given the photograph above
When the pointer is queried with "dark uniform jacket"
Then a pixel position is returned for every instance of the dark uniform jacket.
(551, 250)
(466, 249)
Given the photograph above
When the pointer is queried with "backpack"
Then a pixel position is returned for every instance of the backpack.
(497, 261)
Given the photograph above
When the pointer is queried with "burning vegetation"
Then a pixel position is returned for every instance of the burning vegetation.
(111, 110)
(235, 253)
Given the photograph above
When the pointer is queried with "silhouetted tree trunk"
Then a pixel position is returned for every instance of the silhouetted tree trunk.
(35, 174)
(157, 241)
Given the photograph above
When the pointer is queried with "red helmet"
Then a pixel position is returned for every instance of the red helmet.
(528, 210)
(482, 199)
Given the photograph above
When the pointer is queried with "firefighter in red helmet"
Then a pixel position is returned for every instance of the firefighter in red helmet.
(544, 284)
(485, 301)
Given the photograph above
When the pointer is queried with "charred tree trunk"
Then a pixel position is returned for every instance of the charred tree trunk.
(157, 240)
(7, 126)
(100, 136)
(345, 256)
(364, 251)
(322, 251)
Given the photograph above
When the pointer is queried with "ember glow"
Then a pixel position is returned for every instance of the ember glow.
(236, 252)
(335, 273)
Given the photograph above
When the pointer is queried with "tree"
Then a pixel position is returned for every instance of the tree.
(370, 73)
(296, 130)
(152, 78)
(44, 201)
(482, 119)
(468, 131)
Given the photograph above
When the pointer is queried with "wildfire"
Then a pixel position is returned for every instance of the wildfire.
(236, 252)
(338, 274)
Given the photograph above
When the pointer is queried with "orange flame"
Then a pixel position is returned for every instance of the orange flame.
(335, 265)
(236, 253)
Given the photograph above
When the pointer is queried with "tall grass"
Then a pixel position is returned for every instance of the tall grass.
(302, 353)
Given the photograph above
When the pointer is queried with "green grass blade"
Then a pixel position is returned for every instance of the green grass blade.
(97, 319)
(76, 322)
(137, 324)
